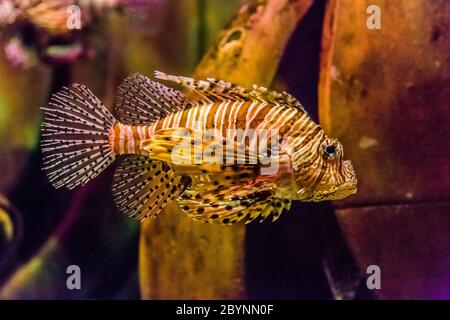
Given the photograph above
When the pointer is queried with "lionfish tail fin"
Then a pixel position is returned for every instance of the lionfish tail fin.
(75, 137)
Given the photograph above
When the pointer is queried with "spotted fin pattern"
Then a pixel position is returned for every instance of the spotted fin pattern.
(75, 137)
(211, 90)
(229, 208)
(143, 187)
(238, 193)
(140, 100)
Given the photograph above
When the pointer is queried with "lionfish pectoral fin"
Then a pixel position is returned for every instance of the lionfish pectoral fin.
(190, 152)
(213, 209)
(141, 101)
(213, 199)
(162, 144)
(142, 187)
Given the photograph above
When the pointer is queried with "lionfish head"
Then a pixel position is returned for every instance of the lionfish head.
(321, 173)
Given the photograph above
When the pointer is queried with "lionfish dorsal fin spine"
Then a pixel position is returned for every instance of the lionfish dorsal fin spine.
(213, 90)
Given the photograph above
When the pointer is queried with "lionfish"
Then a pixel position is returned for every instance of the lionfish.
(80, 138)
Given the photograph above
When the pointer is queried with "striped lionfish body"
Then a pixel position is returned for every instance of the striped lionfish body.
(223, 153)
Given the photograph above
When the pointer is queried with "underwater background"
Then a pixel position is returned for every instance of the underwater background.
(384, 93)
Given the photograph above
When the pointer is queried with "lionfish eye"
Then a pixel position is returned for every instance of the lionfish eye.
(330, 150)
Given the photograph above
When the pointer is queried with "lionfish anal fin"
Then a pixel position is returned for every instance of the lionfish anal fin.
(143, 187)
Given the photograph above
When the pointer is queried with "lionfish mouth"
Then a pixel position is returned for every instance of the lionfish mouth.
(338, 192)
(345, 190)
(349, 187)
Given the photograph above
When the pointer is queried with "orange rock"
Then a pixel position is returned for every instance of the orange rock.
(385, 94)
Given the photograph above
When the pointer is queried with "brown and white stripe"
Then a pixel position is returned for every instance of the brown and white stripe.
(222, 115)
